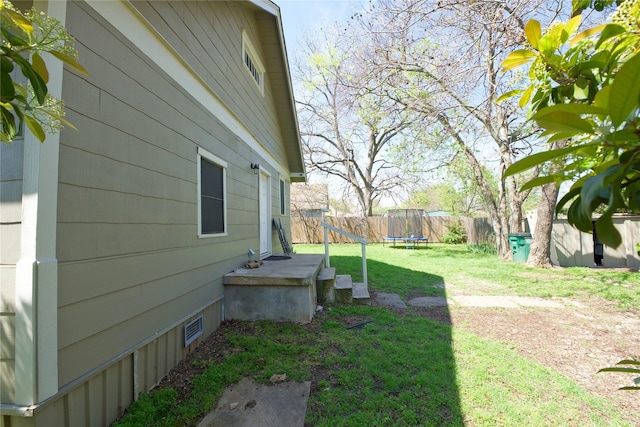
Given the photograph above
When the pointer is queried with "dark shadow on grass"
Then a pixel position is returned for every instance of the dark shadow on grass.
(420, 343)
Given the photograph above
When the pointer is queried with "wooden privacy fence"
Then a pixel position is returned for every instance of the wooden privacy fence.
(374, 228)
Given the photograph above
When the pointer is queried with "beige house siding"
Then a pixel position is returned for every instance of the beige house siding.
(11, 164)
(130, 268)
(129, 257)
(100, 397)
(208, 36)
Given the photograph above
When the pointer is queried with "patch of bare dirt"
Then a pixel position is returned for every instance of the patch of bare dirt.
(576, 340)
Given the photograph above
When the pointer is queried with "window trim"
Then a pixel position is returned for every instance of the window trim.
(250, 51)
(212, 158)
(282, 190)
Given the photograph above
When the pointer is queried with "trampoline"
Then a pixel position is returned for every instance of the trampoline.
(405, 226)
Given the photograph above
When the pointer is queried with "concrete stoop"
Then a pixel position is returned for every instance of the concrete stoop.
(340, 288)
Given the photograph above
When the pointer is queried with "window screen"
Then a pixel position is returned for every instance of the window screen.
(211, 197)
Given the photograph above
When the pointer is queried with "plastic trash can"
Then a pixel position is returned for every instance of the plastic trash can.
(520, 246)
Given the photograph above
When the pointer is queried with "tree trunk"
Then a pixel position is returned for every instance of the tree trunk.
(540, 251)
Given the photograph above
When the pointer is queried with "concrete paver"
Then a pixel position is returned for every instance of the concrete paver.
(428, 302)
(389, 300)
(504, 301)
(536, 302)
(484, 301)
(247, 404)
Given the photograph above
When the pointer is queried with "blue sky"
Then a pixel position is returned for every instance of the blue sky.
(300, 16)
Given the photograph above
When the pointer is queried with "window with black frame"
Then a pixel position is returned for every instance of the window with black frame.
(212, 195)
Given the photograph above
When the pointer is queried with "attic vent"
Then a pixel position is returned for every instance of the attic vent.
(193, 330)
(252, 68)
(252, 61)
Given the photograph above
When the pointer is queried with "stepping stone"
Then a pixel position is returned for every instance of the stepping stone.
(485, 301)
(536, 302)
(428, 302)
(389, 300)
(247, 404)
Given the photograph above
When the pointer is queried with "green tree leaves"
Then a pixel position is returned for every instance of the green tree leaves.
(23, 37)
(633, 369)
(625, 91)
(586, 89)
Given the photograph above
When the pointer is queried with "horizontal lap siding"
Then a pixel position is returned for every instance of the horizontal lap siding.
(11, 168)
(130, 259)
(103, 397)
(211, 43)
(7, 357)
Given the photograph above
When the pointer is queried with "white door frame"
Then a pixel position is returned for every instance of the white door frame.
(264, 213)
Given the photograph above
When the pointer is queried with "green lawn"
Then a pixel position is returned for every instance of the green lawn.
(406, 370)
(425, 271)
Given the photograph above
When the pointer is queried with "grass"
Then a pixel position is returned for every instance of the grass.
(424, 271)
(405, 370)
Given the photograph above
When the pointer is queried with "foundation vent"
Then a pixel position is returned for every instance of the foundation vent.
(193, 330)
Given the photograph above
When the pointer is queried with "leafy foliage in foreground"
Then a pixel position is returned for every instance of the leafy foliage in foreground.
(23, 37)
(621, 367)
(585, 89)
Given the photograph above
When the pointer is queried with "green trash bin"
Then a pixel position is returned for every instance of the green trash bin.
(520, 246)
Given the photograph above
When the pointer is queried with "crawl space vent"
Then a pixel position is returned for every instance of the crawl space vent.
(193, 330)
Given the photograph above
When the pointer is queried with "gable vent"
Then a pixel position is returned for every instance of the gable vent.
(193, 330)
(255, 73)
(252, 61)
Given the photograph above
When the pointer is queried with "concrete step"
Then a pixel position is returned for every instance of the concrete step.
(324, 285)
(327, 273)
(343, 289)
(361, 294)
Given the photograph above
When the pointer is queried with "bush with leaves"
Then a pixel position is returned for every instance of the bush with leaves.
(455, 234)
(23, 38)
(585, 89)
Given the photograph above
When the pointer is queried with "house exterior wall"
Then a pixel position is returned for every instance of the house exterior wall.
(131, 269)
(211, 43)
(11, 159)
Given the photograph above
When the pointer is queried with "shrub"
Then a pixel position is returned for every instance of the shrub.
(456, 234)
(484, 248)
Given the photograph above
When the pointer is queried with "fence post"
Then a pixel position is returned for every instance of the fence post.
(326, 247)
(364, 263)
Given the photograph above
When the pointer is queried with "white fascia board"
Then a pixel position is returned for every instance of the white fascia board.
(267, 6)
(274, 9)
(123, 16)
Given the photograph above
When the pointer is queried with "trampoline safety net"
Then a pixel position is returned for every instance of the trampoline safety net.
(404, 222)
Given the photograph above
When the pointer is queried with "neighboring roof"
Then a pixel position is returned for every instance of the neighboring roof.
(309, 197)
(438, 213)
(275, 56)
